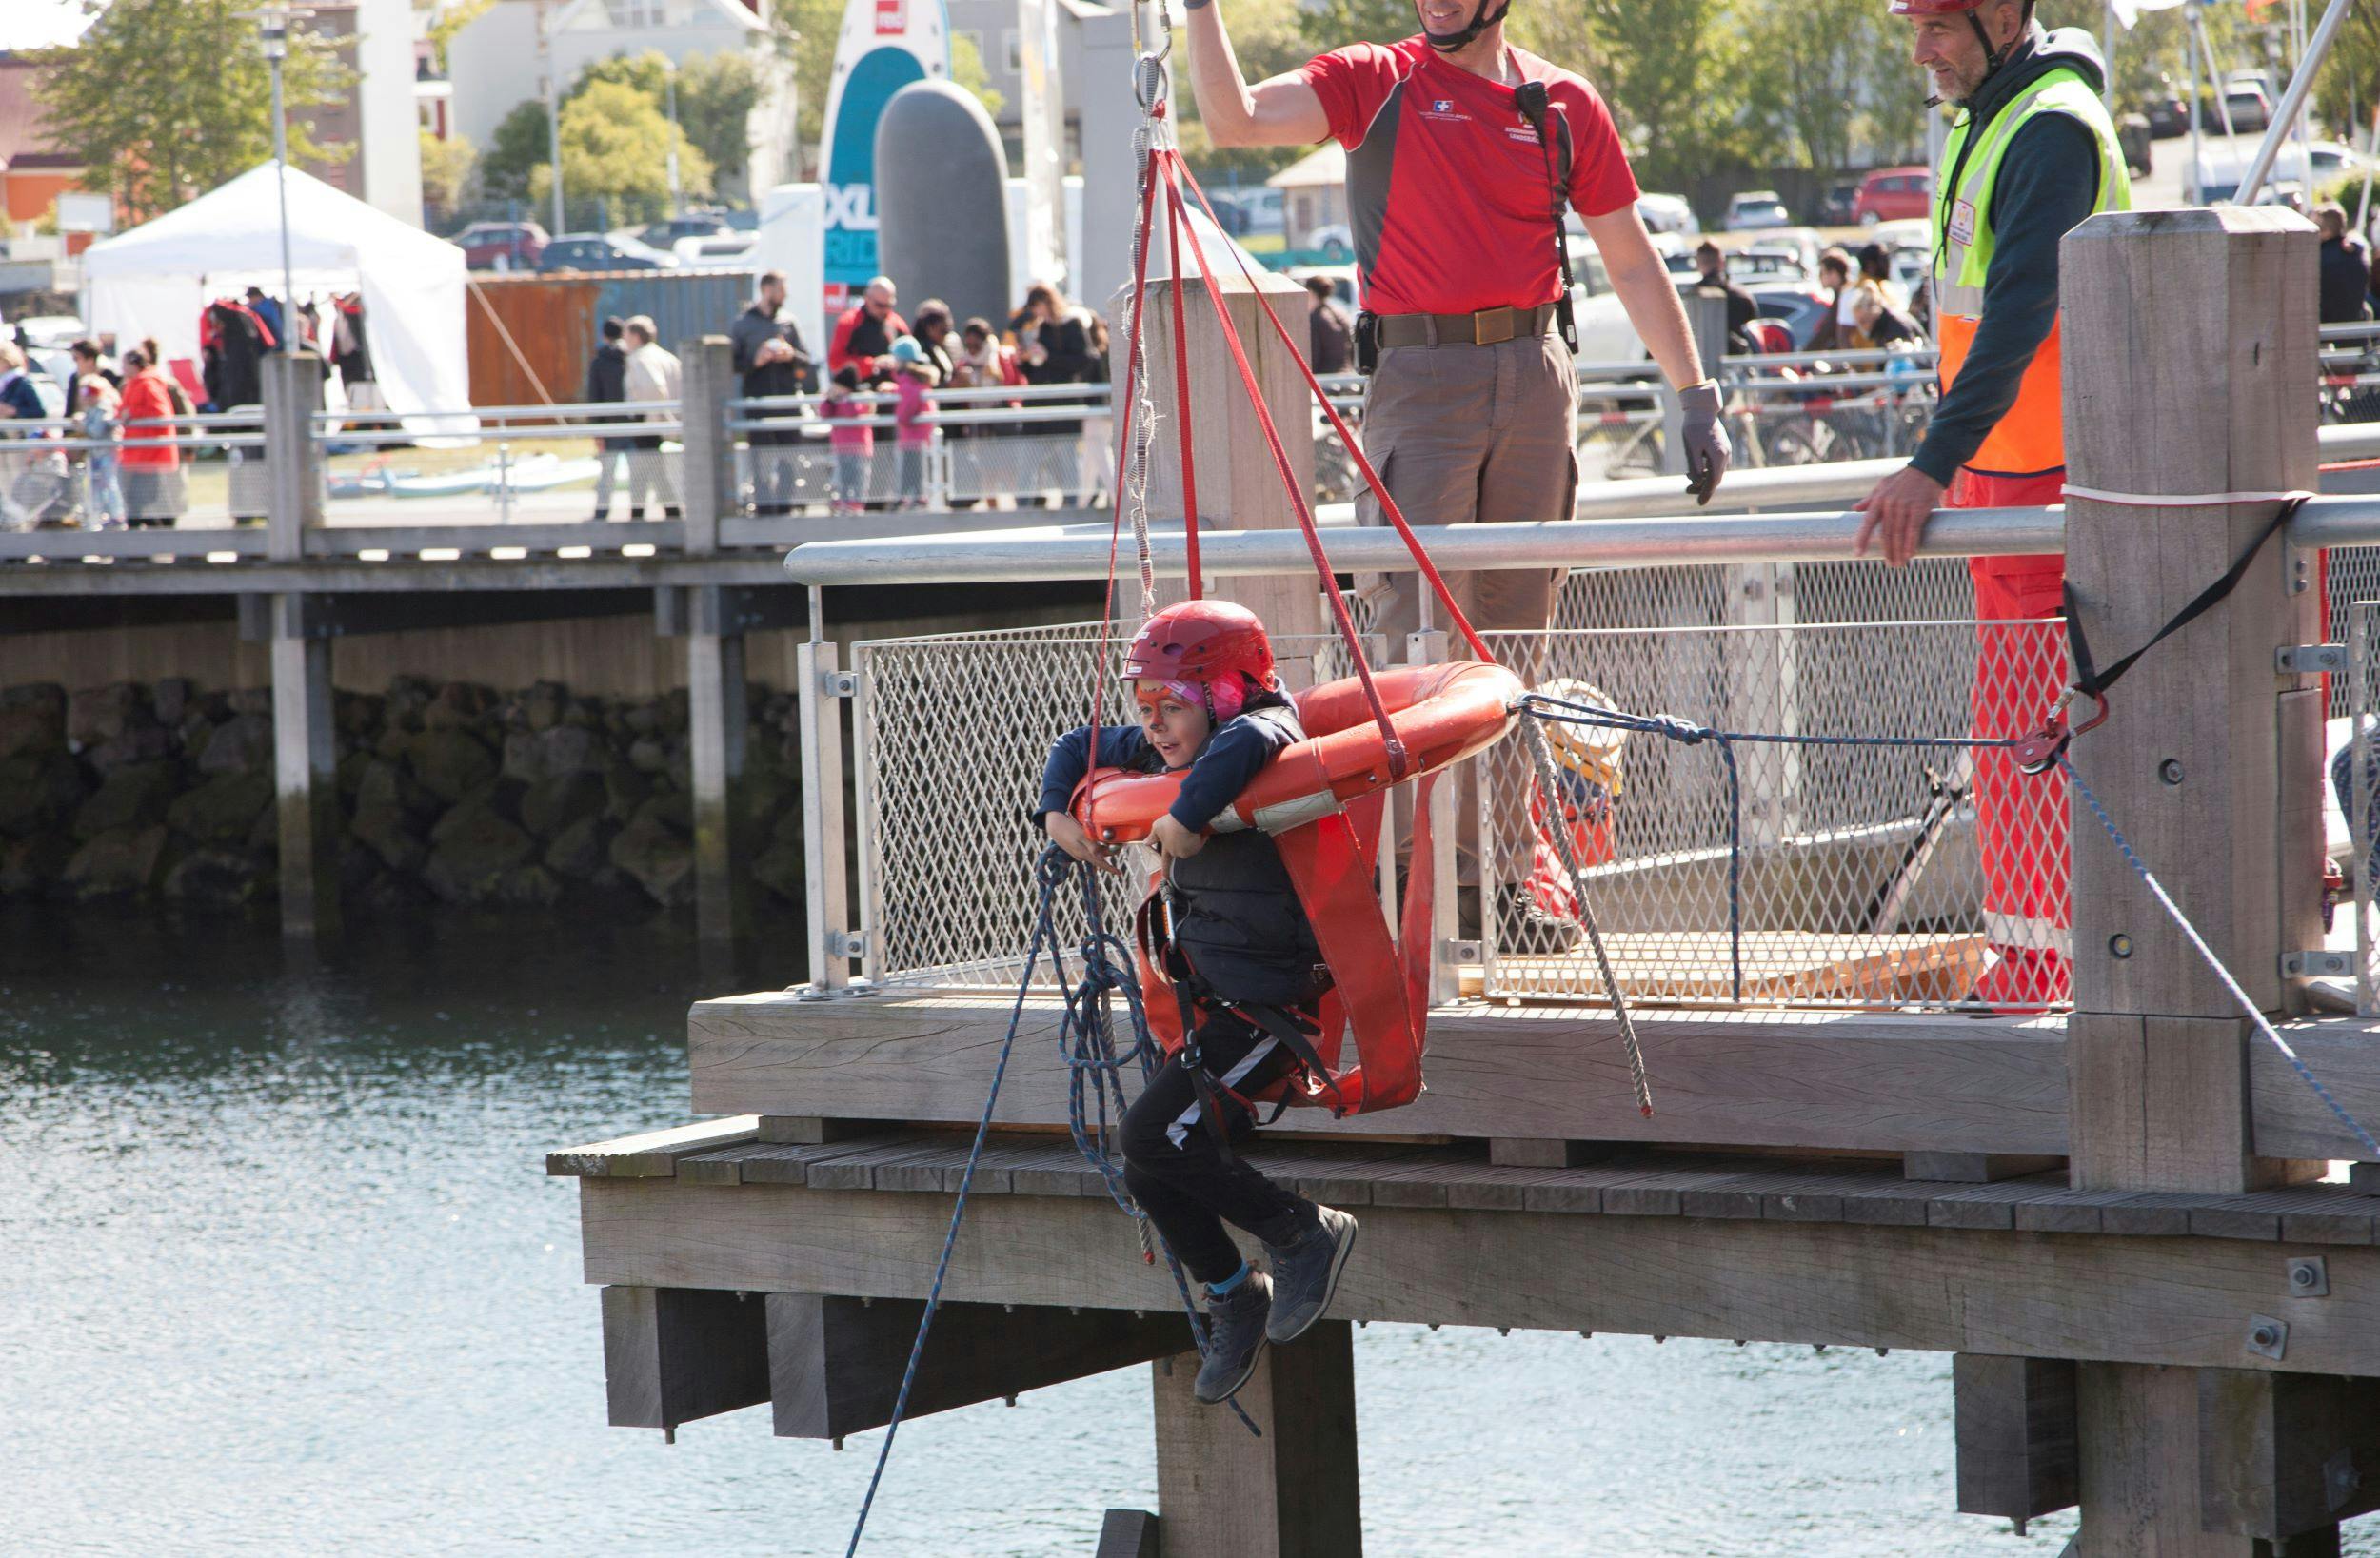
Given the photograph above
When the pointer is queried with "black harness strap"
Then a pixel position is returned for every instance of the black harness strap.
(2093, 683)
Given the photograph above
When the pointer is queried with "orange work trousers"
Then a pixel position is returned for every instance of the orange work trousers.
(2021, 820)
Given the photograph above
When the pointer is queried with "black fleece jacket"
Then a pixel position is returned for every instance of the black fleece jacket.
(2048, 183)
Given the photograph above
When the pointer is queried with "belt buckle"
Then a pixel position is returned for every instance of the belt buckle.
(1480, 329)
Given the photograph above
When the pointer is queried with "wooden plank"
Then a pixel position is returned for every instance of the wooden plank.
(1226, 1494)
(2292, 1121)
(674, 1355)
(1128, 1533)
(1787, 1079)
(835, 1364)
(1988, 1206)
(1778, 966)
(2015, 1423)
(1542, 1153)
(1976, 1168)
(812, 1130)
(2286, 1456)
(655, 1153)
(1944, 1290)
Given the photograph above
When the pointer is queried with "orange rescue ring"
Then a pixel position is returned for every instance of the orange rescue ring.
(1441, 713)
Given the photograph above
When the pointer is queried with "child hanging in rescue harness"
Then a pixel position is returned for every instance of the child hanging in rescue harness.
(1209, 702)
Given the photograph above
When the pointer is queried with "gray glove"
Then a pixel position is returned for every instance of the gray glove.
(1707, 451)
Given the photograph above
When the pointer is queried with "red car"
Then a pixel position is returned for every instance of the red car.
(1893, 194)
(501, 245)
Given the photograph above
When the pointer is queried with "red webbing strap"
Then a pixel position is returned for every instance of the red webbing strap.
(1399, 763)
(1341, 899)
(1353, 446)
(1116, 531)
(1181, 398)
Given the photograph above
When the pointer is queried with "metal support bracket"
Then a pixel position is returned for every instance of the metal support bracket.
(2317, 965)
(839, 683)
(2309, 1277)
(2311, 660)
(1462, 951)
(2268, 1337)
(846, 943)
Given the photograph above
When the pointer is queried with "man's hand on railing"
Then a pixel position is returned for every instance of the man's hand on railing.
(1895, 514)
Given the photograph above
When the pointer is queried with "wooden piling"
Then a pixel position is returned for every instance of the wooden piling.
(708, 483)
(717, 717)
(2190, 336)
(305, 771)
(1239, 485)
(1223, 1493)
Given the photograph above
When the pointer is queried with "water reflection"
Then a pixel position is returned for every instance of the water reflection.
(280, 1273)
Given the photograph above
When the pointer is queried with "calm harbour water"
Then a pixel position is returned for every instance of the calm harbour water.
(281, 1273)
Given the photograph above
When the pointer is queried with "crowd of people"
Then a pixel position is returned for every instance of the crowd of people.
(882, 370)
(112, 453)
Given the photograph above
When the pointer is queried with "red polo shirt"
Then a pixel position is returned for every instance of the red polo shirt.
(1447, 184)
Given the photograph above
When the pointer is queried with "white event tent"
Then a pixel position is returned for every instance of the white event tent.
(155, 279)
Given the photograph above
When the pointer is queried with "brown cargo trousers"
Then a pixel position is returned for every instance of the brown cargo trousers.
(1490, 434)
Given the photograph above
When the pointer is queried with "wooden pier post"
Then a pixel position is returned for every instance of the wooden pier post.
(2190, 338)
(708, 482)
(293, 466)
(717, 717)
(305, 770)
(1223, 1493)
(1239, 485)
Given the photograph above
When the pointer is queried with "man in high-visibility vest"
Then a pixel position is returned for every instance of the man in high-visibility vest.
(2032, 153)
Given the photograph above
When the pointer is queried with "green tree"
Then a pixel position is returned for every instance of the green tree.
(449, 21)
(1674, 75)
(1817, 66)
(716, 95)
(966, 69)
(166, 99)
(804, 31)
(446, 170)
(1269, 36)
(613, 141)
(517, 147)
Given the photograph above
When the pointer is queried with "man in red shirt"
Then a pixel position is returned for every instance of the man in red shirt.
(1460, 152)
(865, 334)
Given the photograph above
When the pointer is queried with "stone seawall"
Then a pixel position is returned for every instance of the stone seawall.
(450, 793)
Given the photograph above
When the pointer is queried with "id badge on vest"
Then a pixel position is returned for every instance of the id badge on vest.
(1963, 223)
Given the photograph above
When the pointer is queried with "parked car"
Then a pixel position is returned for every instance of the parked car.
(2251, 109)
(1893, 195)
(2132, 133)
(719, 248)
(1800, 308)
(1335, 239)
(1794, 248)
(594, 251)
(57, 332)
(2167, 114)
(664, 235)
(1668, 213)
(501, 245)
(1837, 206)
(1756, 210)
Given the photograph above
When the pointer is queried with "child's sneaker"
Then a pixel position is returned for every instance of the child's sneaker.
(1235, 1338)
(1306, 1267)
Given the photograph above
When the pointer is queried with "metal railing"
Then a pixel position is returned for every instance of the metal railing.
(1831, 876)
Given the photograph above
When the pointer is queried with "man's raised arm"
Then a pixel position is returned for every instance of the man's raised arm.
(1282, 111)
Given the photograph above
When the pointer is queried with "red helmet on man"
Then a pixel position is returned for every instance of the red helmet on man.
(1206, 643)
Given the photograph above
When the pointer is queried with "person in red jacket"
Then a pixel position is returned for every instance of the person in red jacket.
(152, 465)
(863, 336)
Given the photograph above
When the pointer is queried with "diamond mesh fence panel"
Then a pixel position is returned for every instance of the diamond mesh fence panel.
(1836, 876)
(2351, 575)
(946, 852)
(1862, 879)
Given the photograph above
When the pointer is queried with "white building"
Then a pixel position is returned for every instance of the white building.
(498, 61)
(995, 27)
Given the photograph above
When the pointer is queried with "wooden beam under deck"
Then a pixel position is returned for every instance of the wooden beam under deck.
(1655, 1244)
(1864, 1082)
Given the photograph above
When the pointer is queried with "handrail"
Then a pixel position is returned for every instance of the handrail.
(1082, 552)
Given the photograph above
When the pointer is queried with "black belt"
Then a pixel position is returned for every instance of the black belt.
(1484, 329)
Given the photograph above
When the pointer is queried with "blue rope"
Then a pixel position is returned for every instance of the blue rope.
(1086, 1037)
(2255, 1014)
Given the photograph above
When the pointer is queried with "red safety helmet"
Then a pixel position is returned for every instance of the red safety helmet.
(1202, 641)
